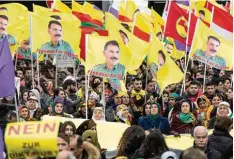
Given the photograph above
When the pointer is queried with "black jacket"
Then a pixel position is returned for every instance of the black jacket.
(220, 141)
(210, 153)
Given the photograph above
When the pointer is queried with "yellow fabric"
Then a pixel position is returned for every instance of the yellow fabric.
(208, 14)
(153, 55)
(60, 6)
(94, 13)
(143, 24)
(45, 12)
(138, 95)
(40, 33)
(77, 7)
(156, 17)
(199, 42)
(128, 9)
(94, 52)
(15, 12)
(177, 54)
(80, 93)
(169, 73)
(135, 47)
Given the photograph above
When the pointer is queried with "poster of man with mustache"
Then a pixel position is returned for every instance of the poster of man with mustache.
(209, 56)
(111, 69)
(3, 30)
(56, 45)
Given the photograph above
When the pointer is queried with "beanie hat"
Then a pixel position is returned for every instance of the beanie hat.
(173, 95)
(56, 101)
(95, 96)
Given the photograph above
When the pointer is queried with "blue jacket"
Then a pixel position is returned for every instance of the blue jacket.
(160, 123)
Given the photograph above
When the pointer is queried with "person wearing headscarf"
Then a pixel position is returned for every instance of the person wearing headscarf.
(24, 113)
(122, 115)
(86, 125)
(184, 121)
(91, 136)
(223, 110)
(154, 120)
(57, 108)
(34, 110)
(93, 100)
(98, 114)
(204, 110)
(170, 106)
(35, 93)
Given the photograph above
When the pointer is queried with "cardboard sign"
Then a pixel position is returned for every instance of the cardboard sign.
(32, 139)
(65, 61)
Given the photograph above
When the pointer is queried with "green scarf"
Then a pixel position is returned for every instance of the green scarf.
(185, 118)
(154, 117)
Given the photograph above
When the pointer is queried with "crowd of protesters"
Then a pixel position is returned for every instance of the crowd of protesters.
(179, 110)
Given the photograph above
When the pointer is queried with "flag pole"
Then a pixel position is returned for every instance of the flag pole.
(103, 97)
(56, 72)
(164, 29)
(31, 51)
(86, 95)
(204, 81)
(16, 108)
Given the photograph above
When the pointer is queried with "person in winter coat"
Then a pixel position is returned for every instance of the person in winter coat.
(122, 115)
(184, 121)
(57, 109)
(34, 110)
(200, 135)
(154, 120)
(223, 110)
(220, 140)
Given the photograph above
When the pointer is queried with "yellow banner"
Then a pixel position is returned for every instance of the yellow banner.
(202, 12)
(32, 138)
(45, 37)
(210, 48)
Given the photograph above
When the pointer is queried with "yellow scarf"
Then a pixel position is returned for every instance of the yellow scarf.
(138, 95)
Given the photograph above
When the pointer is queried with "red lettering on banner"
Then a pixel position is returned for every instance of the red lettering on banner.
(14, 130)
(49, 127)
(27, 129)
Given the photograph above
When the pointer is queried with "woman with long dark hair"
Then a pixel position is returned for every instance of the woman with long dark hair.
(154, 146)
(131, 140)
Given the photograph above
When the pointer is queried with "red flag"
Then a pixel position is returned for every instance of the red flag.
(176, 25)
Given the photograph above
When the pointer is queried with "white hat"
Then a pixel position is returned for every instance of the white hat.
(168, 154)
(224, 104)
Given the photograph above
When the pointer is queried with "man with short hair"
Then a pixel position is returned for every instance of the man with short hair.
(3, 32)
(57, 44)
(210, 90)
(201, 142)
(209, 56)
(137, 94)
(226, 83)
(20, 74)
(63, 142)
(193, 91)
(150, 88)
(111, 68)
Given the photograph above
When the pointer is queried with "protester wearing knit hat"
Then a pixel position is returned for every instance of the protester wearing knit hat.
(223, 110)
(57, 108)
(154, 120)
(184, 121)
(35, 111)
(36, 93)
(93, 100)
(122, 115)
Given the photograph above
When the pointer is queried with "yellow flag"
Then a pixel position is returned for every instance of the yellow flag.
(168, 72)
(78, 7)
(42, 39)
(202, 12)
(94, 13)
(156, 17)
(176, 54)
(45, 12)
(127, 10)
(210, 48)
(60, 6)
(16, 12)
(138, 47)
